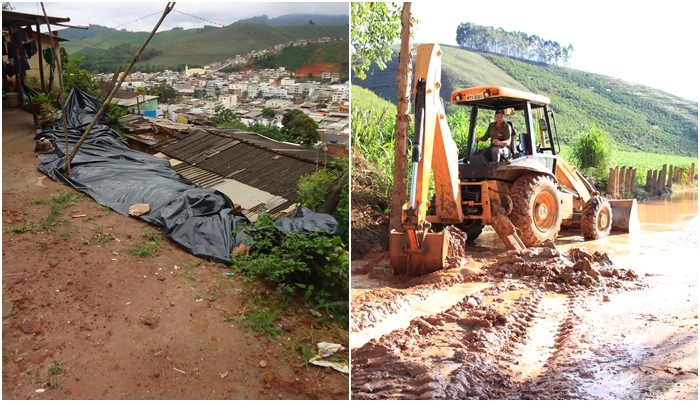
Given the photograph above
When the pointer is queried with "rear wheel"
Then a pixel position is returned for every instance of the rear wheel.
(596, 220)
(472, 228)
(536, 209)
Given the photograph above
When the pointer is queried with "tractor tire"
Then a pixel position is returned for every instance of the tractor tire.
(596, 219)
(536, 209)
(472, 228)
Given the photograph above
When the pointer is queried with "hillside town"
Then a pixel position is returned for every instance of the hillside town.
(200, 91)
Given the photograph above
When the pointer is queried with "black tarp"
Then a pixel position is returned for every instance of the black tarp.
(105, 168)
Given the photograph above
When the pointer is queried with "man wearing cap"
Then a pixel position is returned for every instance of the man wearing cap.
(500, 135)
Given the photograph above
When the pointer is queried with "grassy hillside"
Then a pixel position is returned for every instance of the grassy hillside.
(638, 118)
(207, 45)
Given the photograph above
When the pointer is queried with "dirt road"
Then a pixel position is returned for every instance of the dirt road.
(83, 318)
(608, 319)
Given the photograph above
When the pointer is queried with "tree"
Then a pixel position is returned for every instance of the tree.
(301, 127)
(268, 113)
(403, 119)
(74, 76)
(375, 27)
(166, 93)
(224, 117)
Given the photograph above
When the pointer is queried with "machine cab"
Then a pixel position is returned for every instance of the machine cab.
(528, 114)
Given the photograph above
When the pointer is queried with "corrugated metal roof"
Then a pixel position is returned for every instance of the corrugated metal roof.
(252, 169)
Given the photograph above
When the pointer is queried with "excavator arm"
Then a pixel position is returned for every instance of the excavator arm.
(416, 250)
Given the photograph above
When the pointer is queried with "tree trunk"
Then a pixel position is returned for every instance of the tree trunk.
(330, 204)
(403, 119)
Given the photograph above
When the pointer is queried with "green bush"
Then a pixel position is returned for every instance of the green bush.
(592, 149)
(313, 187)
(312, 191)
(315, 263)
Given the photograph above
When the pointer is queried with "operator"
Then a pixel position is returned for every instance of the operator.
(500, 135)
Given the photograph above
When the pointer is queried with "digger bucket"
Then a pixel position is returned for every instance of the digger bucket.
(429, 257)
(624, 215)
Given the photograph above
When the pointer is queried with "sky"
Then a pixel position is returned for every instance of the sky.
(654, 44)
(185, 14)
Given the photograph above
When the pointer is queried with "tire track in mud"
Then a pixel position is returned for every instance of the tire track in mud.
(377, 305)
(475, 348)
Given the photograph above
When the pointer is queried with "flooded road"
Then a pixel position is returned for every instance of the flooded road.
(503, 333)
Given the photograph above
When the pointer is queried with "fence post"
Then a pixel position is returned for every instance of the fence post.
(650, 179)
(662, 179)
(691, 173)
(655, 182)
(612, 181)
(671, 176)
(633, 179)
(622, 181)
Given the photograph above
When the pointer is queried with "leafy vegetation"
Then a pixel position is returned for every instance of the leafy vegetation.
(224, 117)
(75, 76)
(315, 263)
(302, 128)
(375, 27)
(373, 139)
(313, 189)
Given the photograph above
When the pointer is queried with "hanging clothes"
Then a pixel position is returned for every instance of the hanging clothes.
(51, 62)
(30, 49)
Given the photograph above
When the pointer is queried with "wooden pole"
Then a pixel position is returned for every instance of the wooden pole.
(655, 182)
(630, 180)
(621, 181)
(662, 179)
(671, 176)
(650, 181)
(59, 68)
(612, 181)
(168, 8)
(41, 56)
(633, 179)
(403, 118)
(691, 174)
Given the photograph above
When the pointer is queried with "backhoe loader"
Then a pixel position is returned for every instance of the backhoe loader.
(526, 198)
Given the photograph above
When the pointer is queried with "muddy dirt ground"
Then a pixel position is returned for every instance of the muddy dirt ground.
(84, 320)
(608, 319)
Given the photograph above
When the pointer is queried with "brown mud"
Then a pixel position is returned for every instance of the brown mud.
(614, 318)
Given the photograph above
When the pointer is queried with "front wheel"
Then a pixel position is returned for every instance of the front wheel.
(536, 209)
(472, 228)
(596, 219)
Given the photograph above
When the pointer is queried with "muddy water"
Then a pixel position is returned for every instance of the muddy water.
(654, 328)
(435, 303)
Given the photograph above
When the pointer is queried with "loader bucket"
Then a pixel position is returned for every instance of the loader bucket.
(430, 257)
(624, 215)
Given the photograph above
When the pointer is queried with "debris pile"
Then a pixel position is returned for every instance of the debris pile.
(559, 269)
(456, 256)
